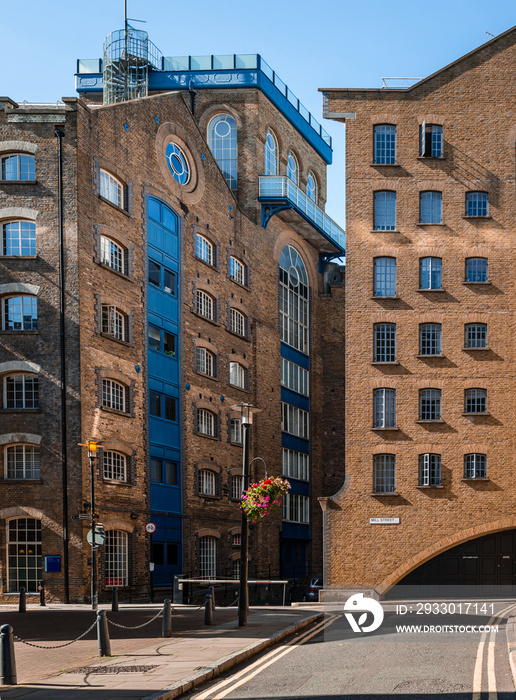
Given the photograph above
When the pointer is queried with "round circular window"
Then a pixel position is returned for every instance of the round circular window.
(177, 163)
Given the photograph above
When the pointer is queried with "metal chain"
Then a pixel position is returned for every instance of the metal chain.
(135, 627)
(55, 646)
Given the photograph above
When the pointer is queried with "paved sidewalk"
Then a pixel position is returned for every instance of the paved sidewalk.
(143, 665)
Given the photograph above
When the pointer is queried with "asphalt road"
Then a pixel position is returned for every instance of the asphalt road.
(331, 661)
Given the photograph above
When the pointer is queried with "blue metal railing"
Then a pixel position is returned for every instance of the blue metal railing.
(280, 187)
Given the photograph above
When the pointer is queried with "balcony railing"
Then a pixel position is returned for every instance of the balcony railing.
(276, 188)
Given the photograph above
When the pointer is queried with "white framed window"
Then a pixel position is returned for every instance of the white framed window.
(111, 189)
(431, 140)
(21, 462)
(296, 508)
(385, 342)
(430, 273)
(430, 337)
(205, 305)
(207, 557)
(235, 430)
(429, 470)
(21, 391)
(205, 362)
(112, 254)
(236, 494)
(20, 313)
(475, 335)
(18, 166)
(293, 300)
(115, 465)
(476, 270)
(207, 482)
(430, 404)
(237, 375)
(293, 168)
(114, 322)
(385, 277)
(116, 553)
(113, 395)
(385, 144)
(23, 554)
(235, 569)
(311, 187)
(237, 322)
(430, 207)
(475, 401)
(294, 377)
(295, 421)
(271, 153)
(222, 142)
(236, 270)
(204, 249)
(477, 204)
(384, 473)
(237, 537)
(384, 215)
(384, 411)
(18, 238)
(475, 466)
(295, 464)
(205, 422)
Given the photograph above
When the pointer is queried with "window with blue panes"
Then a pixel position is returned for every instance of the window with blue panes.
(222, 141)
(177, 163)
(162, 406)
(431, 207)
(18, 166)
(164, 471)
(162, 341)
(385, 277)
(431, 141)
(18, 238)
(311, 187)
(161, 277)
(477, 203)
(430, 273)
(271, 154)
(385, 144)
(385, 211)
(476, 270)
(292, 168)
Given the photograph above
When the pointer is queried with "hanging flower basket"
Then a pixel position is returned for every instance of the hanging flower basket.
(263, 498)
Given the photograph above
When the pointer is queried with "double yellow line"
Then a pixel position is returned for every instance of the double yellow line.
(249, 672)
(479, 663)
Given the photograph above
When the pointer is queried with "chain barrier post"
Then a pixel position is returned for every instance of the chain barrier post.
(212, 595)
(208, 610)
(103, 634)
(7, 660)
(22, 606)
(41, 589)
(114, 600)
(166, 625)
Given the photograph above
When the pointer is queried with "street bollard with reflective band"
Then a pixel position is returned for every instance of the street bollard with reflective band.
(41, 589)
(166, 624)
(212, 594)
(114, 600)
(208, 611)
(7, 660)
(103, 634)
(23, 601)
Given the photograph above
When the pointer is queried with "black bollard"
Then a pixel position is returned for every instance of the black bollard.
(41, 589)
(212, 594)
(114, 600)
(208, 611)
(166, 624)
(103, 634)
(23, 601)
(7, 660)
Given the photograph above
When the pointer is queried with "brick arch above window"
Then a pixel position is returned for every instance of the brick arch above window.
(207, 532)
(235, 530)
(239, 307)
(388, 119)
(210, 466)
(112, 169)
(201, 343)
(207, 406)
(18, 213)
(234, 357)
(25, 146)
(107, 373)
(215, 110)
(117, 445)
(118, 525)
(19, 288)
(21, 438)
(19, 366)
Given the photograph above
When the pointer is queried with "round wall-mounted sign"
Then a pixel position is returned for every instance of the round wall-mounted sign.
(150, 528)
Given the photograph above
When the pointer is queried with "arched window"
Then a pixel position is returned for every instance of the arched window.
(205, 422)
(430, 404)
(18, 166)
(113, 395)
(21, 462)
(271, 154)
(237, 322)
(18, 238)
(475, 336)
(205, 362)
(293, 168)
(21, 391)
(385, 144)
(237, 375)
(204, 249)
(384, 413)
(115, 466)
(207, 557)
(222, 141)
(112, 255)
(293, 300)
(207, 481)
(205, 305)
(20, 313)
(236, 488)
(24, 554)
(114, 322)
(384, 277)
(111, 189)
(115, 552)
(311, 187)
(384, 473)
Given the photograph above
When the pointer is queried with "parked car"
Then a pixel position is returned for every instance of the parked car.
(306, 589)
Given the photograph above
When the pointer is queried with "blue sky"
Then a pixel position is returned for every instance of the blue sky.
(323, 43)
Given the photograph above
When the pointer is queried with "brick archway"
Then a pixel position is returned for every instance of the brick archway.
(442, 546)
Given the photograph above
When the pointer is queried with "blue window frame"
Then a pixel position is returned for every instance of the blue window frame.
(163, 278)
(311, 187)
(271, 154)
(177, 163)
(162, 341)
(293, 168)
(164, 471)
(385, 144)
(18, 166)
(385, 277)
(431, 140)
(18, 238)
(476, 270)
(222, 141)
(431, 207)
(430, 273)
(162, 406)
(385, 211)
(477, 203)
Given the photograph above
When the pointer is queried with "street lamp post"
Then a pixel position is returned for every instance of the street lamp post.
(92, 446)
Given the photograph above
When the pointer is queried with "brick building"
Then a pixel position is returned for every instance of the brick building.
(429, 493)
(195, 276)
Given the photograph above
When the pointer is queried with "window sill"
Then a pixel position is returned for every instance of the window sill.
(116, 482)
(488, 282)
(20, 410)
(389, 430)
(18, 257)
(384, 493)
(385, 230)
(204, 262)
(208, 320)
(208, 437)
(18, 182)
(381, 364)
(115, 206)
(436, 422)
(429, 487)
(240, 388)
(476, 349)
(379, 296)
(242, 286)
(438, 291)
(7, 332)
(475, 478)
(117, 340)
(385, 165)
(116, 272)
(211, 496)
(430, 223)
(21, 481)
(242, 337)
(477, 217)
(431, 158)
(116, 411)
(208, 376)
(237, 444)
(424, 357)
(476, 413)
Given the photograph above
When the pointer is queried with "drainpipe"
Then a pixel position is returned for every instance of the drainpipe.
(64, 441)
